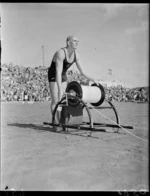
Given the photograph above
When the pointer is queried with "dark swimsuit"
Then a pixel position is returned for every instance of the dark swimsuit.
(52, 69)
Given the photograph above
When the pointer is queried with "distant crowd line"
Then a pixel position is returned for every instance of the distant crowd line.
(19, 83)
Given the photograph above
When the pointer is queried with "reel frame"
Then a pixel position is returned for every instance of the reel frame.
(92, 126)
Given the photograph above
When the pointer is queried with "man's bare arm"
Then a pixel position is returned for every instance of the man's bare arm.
(79, 66)
(59, 68)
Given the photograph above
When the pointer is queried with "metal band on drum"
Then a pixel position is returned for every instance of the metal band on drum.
(102, 95)
(74, 100)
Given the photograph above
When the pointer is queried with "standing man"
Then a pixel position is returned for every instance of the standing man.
(61, 62)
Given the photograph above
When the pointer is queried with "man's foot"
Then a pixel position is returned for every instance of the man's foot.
(58, 129)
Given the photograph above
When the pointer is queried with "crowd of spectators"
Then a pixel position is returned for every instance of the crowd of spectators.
(125, 94)
(19, 83)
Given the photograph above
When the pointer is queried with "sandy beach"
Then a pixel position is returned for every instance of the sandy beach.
(34, 158)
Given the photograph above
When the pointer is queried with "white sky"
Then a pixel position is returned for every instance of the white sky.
(111, 36)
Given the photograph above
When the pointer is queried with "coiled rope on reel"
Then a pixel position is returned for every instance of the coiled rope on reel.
(93, 94)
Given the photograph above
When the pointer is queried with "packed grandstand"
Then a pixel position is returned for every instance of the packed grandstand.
(19, 83)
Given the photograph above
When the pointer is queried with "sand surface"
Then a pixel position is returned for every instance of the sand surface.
(36, 159)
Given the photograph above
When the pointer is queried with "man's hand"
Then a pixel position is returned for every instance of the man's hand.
(95, 81)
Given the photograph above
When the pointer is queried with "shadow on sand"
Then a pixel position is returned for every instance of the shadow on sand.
(43, 128)
(31, 126)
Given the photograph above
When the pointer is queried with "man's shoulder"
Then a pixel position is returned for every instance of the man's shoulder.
(77, 56)
(60, 54)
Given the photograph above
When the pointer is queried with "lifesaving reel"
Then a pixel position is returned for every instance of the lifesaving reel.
(79, 100)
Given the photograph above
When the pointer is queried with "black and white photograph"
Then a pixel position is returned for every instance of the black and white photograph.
(74, 97)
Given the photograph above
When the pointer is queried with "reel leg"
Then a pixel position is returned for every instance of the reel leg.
(116, 115)
(61, 104)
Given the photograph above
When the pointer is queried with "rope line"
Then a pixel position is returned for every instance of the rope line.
(119, 125)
